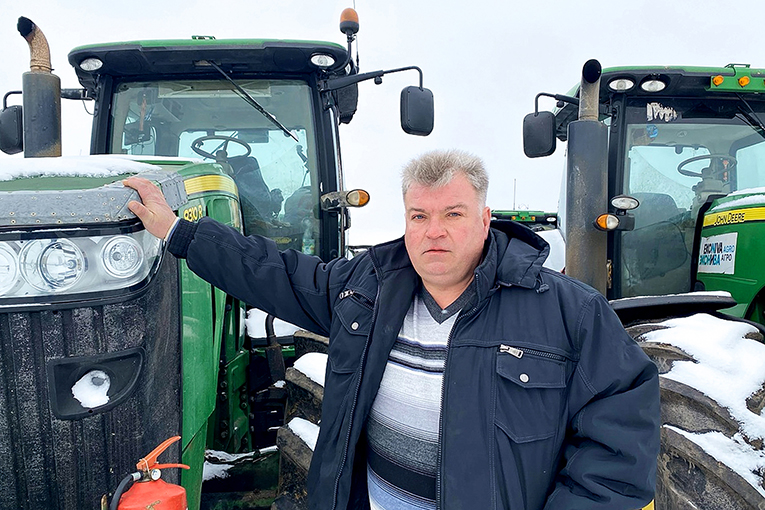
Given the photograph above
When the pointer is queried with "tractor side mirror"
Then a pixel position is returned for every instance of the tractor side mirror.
(417, 111)
(539, 134)
(11, 130)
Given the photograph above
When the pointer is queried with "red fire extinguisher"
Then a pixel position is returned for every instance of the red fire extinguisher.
(148, 490)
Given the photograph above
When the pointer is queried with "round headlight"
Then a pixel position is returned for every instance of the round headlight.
(52, 265)
(9, 268)
(122, 256)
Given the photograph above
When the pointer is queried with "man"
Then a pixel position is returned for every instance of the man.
(461, 374)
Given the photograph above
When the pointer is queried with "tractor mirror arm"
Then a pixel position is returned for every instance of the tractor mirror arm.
(344, 81)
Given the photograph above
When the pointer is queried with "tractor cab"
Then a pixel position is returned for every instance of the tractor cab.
(253, 107)
(689, 145)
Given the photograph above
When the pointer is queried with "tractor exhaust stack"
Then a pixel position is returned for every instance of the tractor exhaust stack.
(41, 92)
(586, 185)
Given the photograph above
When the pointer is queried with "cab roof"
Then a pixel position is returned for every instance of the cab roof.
(189, 57)
(680, 81)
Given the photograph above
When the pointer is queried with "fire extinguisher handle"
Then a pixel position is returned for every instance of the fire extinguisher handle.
(163, 466)
(149, 462)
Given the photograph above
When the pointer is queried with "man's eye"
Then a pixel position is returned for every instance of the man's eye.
(418, 216)
(454, 214)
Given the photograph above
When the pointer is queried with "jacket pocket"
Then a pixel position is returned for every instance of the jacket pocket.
(529, 390)
(354, 314)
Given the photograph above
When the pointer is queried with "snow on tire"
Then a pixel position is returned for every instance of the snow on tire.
(712, 381)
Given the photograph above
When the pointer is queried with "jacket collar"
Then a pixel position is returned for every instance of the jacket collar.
(513, 255)
(519, 254)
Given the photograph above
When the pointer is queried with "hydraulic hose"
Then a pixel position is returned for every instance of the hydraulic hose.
(128, 480)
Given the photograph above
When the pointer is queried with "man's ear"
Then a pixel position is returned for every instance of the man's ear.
(486, 217)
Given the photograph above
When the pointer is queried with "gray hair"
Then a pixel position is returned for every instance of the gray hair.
(437, 168)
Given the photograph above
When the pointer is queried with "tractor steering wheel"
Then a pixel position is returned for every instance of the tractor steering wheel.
(196, 146)
(722, 157)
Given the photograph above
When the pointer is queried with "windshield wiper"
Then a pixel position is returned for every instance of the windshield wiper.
(248, 98)
(753, 119)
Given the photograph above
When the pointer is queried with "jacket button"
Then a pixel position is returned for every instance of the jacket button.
(524, 378)
(355, 326)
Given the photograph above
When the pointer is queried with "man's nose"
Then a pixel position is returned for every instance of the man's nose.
(435, 229)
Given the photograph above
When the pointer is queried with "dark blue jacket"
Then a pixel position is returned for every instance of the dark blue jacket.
(547, 404)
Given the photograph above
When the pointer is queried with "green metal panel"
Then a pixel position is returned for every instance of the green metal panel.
(211, 193)
(191, 479)
(732, 247)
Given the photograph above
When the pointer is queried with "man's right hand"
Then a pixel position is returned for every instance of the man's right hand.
(156, 215)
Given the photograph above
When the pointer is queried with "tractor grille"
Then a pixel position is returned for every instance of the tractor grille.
(70, 461)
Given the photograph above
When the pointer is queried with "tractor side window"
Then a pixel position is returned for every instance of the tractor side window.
(655, 256)
(653, 169)
(750, 171)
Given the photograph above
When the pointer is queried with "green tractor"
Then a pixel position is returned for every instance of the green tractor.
(663, 210)
(109, 345)
(535, 220)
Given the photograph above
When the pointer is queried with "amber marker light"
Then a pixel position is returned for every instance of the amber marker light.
(717, 80)
(606, 222)
(358, 198)
(743, 81)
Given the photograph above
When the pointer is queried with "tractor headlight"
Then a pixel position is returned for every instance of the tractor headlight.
(38, 267)
(122, 256)
(9, 268)
(51, 265)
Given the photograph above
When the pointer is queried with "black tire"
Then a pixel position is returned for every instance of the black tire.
(688, 478)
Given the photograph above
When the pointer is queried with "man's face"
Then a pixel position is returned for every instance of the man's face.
(445, 231)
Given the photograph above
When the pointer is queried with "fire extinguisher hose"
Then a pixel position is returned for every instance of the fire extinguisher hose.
(124, 485)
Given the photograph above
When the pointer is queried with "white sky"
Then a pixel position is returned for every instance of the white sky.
(484, 61)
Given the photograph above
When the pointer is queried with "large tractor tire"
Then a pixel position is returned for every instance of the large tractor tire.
(688, 477)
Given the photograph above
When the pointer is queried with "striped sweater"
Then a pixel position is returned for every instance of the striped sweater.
(403, 425)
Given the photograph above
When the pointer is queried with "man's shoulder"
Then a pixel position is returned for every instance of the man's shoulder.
(567, 288)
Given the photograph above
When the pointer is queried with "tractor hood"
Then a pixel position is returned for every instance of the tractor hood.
(36, 192)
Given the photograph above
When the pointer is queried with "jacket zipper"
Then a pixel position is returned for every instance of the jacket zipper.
(358, 297)
(518, 353)
(441, 414)
(358, 383)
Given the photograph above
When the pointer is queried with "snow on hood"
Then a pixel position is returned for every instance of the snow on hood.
(698, 293)
(756, 196)
(72, 166)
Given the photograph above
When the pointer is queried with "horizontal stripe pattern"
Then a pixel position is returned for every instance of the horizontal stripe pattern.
(734, 216)
(403, 425)
(207, 183)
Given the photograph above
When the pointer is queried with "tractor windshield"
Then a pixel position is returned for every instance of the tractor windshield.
(677, 154)
(275, 175)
